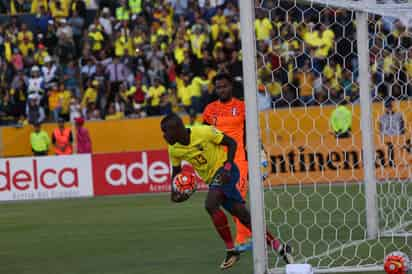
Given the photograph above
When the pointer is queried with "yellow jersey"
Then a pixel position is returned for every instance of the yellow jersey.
(263, 28)
(90, 96)
(204, 151)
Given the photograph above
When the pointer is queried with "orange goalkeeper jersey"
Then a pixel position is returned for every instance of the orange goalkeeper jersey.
(230, 119)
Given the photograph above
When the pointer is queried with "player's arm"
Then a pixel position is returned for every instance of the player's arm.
(176, 196)
(231, 145)
(223, 175)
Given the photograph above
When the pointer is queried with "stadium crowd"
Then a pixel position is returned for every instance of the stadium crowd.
(135, 58)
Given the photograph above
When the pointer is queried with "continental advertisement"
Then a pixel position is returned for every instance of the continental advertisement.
(298, 141)
(302, 148)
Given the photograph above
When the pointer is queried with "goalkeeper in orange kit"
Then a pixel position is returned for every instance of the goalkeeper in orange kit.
(227, 114)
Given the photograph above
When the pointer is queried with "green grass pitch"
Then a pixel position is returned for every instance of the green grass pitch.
(111, 235)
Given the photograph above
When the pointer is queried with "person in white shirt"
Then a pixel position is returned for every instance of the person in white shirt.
(391, 123)
(36, 83)
(264, 99)
(212, 3)
(49, 71)
(106, 21)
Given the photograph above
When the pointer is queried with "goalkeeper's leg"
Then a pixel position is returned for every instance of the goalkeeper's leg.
(243, 234)
(242, 213)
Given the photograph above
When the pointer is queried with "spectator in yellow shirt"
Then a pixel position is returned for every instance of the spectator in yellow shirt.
(214, 29)
(197, 39)
(263, 27)
(36, 4)
(408, 66)
(183, 92)
(18, 7)
(54, 102)
(25, 40)
(333, 73)
(219, 17)
(59, 8)
(90, 95)
(120, 44)
(179, 51)
(197, 86)
(40, 55)
(122, 12)
(112, 114)
(65, 97)
(326, 42)
(154, 94)
(96, 38)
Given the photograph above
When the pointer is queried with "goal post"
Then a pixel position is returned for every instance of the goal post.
(252, 135)
(342, 202)
(366, 124)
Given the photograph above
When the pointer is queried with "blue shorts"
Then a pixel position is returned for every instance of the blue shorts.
(230, 190)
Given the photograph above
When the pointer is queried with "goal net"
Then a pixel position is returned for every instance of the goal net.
(335, 106)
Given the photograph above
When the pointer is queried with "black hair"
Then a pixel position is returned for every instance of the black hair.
(171, 117)
(223, 75)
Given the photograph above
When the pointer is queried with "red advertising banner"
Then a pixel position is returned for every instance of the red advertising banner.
(132, 172)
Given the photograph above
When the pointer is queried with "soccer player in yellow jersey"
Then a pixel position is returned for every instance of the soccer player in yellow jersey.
(204, 148)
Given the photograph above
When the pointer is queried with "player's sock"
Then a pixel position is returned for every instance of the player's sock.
(222, 226)
(284, 250)
(272, 241)
(243, 234)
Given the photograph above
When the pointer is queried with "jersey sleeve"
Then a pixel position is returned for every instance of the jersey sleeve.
(175, 161)
(207, 118)
(211, 134)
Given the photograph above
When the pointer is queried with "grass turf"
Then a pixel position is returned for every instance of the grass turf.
(111, 235)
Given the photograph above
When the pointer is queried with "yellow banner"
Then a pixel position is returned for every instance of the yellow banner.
(302, 149)
(107, 136)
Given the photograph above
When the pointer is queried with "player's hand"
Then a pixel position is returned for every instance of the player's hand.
(179, 197)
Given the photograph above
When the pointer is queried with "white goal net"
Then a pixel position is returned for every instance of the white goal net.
(323, 106)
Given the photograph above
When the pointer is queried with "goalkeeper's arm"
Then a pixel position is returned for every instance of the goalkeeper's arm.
(176, 196)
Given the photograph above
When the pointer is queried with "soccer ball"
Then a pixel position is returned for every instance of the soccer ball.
(396, 263)
(185, 183)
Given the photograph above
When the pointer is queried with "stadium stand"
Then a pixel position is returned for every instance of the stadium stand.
(136, 58)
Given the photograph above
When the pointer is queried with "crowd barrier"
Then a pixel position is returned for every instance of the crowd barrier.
(107, 136)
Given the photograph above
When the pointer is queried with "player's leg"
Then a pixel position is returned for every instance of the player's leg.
(235, 204)
(214, 199)
(243, 234)
(239, 210)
